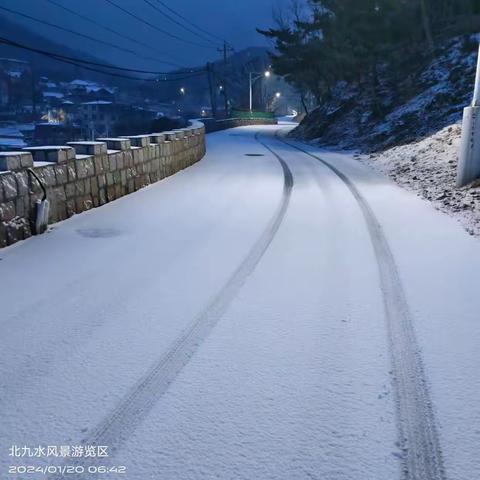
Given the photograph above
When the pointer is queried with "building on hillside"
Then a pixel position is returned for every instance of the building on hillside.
(11, 137)
(81, 91)
(4, 88)
(103, 119)
(97, 118)
(14, 68)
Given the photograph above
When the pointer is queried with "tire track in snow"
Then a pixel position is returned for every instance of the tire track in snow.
(117, 427)
(422, 455)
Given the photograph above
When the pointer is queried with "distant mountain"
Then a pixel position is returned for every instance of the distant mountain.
(42, 64)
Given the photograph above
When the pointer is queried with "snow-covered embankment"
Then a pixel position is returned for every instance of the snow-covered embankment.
(428, 167)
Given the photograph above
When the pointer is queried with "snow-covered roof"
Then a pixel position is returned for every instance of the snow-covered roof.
(12, 142)
(83, 83)
(13, 73)
(53, 94)
(26, 127)
(97, 102)
(97, 89)
(11, 131)
(90, 86)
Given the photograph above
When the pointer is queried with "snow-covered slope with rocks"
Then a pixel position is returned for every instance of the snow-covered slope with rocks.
(420, 100)
(429, 168)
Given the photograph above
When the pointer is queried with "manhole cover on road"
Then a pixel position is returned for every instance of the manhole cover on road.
(254, 155)
(99, 232)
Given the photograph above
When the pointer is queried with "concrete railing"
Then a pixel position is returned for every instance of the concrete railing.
(83, 175)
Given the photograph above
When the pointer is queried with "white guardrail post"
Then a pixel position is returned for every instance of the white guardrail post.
(469, 155)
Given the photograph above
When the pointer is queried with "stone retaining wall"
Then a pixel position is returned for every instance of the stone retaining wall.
(83, 175)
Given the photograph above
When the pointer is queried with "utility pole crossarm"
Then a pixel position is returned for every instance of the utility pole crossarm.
(226, 48)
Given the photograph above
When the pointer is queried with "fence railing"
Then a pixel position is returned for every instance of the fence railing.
(251, 115)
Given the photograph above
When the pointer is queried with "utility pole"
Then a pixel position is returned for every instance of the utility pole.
(469, 155)
(34, 95)
(212, 88)
(225, 51)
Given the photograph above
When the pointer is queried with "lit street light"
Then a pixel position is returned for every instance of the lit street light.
(278, 95)
(182, 91)
(252, 80)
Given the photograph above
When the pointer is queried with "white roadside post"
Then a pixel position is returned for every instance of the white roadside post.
(469, 155)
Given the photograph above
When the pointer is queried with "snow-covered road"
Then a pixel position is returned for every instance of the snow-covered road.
(259, 315)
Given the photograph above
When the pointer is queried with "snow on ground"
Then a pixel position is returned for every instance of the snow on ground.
(294, 381)
(429, 168)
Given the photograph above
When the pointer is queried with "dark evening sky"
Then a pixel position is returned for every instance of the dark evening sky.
(234, 20)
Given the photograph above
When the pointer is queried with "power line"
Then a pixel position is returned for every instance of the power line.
(166, 15)
(151, 25)
(88, 62)
(123, 49)
(76, 62)
(105, 27)
(188, 21)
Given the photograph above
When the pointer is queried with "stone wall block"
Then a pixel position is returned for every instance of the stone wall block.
(139, 140)
(111, 193)
(98, 164)
(55, 154)
(71, 171)
(11, 161)
(109, 177)
(7, 211)
(61, 174)
(120, 160)
(94, 186)
(136, 156)
(79, 188)
(112, 163)
(157, 137)
(82, 169)
(89, 148)
(119, 143)
(17, 229)
(87, 186)
(22, 183)
(102, 181)
(123, 178)
(102, 196)
(3, 235)
(70, 190)
(9, 185)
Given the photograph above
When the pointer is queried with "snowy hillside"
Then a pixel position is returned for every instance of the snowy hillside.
(428, 167)
(413, 103)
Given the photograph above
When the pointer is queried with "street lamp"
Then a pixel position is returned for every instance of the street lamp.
(182, 91)
(278, 95)
(252, 80)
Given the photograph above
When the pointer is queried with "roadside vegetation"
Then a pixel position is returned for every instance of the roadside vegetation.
(356, 62)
